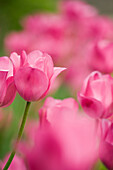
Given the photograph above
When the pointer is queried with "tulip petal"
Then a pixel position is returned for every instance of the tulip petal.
(3, 75)
(57, 71)
(92, 107)
(6, 65)
(23, 58)
(15, 58)
(10, 93)
(31, 83)
(86, 86)
(41, 61)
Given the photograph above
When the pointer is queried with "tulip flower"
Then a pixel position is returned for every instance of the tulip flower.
(67, 142)
(58, 107)
(34, 74)
(77, 9)
(100, 55)
(96, 95)
(7, 87)
(106, 145)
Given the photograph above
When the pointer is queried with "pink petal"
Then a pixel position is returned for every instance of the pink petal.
(23, 58)
(91, 106)
(15, 58)
(6, 65)
(10, 93)
(41, 61)
(33, 57)
(48, 65)
(31, 83)
(86, 86)
(3, 76)
(57, 71)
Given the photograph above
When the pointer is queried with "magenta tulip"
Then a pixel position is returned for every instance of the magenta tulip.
(96, 96)
(100, 56)
(34, 74)
(67, 140)
(7, 87)
(106, 146)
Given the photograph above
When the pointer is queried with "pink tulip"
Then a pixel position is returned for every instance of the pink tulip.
(96, 95)
(17, 164)
(19, 41)
(58, 107)
(7, 87)
(76, 73)
(100, 56)
(99, 27)
(39, 25)
(106, 145)
(78, 10)
(65, 141)
(34, 74)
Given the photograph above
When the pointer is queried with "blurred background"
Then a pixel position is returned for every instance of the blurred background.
(11, 12)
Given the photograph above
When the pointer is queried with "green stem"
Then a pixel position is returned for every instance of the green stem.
(18, 137)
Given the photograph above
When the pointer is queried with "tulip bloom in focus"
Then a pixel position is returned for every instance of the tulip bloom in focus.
(96, 95)
(34, 74)
(7, 87)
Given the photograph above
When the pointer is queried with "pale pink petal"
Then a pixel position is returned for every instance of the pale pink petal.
(23, 58)
(86, 85)
(6, 65)
(105, 124)
(48, 65)
(57, 71)
(33, 57)
(10, 92)
(15, 58)
(31, 83)
(102, 90)
(56, 114)
(41, 61)
(71, 103)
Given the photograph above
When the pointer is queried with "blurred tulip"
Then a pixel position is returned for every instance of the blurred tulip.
(100, 56)
(78, 10)
(19, 41)
(106, 145)
(58, 107)
(65, 141)
(39, 25)
(96, 95)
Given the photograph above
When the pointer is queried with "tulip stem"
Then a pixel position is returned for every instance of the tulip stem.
(18, 137)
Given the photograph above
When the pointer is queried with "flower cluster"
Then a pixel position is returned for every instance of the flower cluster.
(76, 37)
(30, 75)
(64, 137)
